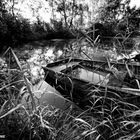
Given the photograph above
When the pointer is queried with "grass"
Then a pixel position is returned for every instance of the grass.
(33, 121)
(107, 119)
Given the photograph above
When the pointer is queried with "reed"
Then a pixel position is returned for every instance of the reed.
(107, 119)
(34, 121)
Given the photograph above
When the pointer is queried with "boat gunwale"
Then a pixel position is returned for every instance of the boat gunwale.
(67, 60)
(97, 86)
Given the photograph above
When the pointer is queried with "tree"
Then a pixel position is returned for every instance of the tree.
(120, 16)
(113, 10)
(69, 11)
(3, 10)
(133, 18)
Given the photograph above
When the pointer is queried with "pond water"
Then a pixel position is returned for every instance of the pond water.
(39, 53)
(96, 77)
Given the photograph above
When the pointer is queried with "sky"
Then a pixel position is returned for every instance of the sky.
(26, 6)
(135, 2)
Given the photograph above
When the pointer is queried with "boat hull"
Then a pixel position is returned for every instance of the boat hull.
(86, 94)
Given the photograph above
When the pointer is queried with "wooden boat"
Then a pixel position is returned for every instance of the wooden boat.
(85, 93)
(104, 65)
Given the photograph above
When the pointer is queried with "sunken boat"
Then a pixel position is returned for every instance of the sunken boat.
(85, 83)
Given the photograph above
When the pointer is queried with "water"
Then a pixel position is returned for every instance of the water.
(95, 77)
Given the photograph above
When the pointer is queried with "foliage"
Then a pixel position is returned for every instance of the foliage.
(116, 15)
(70, 12)
(133, 18)
(119, 13)
(102, 31)
(14, 29)
(112, 10)
(59, 31)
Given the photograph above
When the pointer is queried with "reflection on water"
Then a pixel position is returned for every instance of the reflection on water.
(40, 53)
(97, 77)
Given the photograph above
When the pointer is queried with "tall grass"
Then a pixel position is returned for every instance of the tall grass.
(107, 119)
(29, 120)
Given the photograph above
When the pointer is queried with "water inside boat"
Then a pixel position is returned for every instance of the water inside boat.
(96, 77)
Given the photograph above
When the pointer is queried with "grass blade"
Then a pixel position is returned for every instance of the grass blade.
(9, 112)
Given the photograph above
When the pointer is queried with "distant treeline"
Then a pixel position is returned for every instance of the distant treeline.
(17, 30)
(14, 31)
(110, 30)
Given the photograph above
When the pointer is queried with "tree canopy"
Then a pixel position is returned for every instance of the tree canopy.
(117, 15)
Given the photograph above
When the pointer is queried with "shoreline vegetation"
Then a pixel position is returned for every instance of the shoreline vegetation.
(17, 30)
(21, 32)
